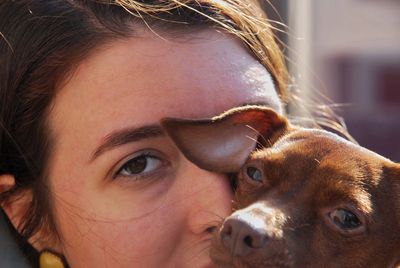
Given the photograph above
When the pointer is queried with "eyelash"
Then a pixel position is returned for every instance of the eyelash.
(141, 173)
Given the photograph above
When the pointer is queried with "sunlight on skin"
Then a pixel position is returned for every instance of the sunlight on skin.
(161, 216)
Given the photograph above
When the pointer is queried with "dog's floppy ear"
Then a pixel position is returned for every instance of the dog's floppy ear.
(223, 143)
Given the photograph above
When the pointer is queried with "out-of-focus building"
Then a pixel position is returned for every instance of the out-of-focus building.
(350, 51)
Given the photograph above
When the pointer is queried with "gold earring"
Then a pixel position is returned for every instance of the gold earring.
(49, 259)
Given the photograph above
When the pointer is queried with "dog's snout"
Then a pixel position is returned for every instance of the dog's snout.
(241, 237)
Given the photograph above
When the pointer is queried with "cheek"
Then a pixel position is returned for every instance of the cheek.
(99, 225)
(127, 240)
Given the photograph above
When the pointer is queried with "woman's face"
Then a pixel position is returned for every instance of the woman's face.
(124, 196)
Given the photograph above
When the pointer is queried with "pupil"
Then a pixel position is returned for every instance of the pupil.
(138, 164)
(254, 173)
(346, 219)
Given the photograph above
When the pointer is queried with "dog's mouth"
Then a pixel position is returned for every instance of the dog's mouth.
(277, 261)
(276, 255)
(252, 237)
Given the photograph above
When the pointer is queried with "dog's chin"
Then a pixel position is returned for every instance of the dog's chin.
(222, 258)
(267, 263)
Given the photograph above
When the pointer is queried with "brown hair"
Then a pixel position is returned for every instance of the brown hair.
(40, 43)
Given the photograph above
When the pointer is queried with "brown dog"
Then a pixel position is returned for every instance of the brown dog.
(304, 198)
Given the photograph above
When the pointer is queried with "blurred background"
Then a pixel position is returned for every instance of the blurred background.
(349, 50)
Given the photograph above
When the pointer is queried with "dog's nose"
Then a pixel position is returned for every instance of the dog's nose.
(241, 236)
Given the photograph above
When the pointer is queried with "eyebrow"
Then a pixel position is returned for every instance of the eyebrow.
(127, 135)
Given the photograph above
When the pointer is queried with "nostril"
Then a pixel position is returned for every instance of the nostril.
(256, 239)
(241, 237)
(248, 240)
(226, 234)
(227, 229)
(211, 229)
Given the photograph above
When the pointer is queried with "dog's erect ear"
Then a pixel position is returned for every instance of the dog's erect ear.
(223, 143)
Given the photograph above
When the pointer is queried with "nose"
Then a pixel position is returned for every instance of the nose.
(210, 199)
(241, 236)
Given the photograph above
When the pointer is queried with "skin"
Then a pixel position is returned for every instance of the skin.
(108, 216)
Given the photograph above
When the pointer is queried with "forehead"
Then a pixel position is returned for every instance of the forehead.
(329, 167)
(148, 71)
(324, 146)
(137, 81)
(325, 150)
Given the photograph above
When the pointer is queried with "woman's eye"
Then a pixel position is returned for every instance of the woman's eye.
(254, 174)
(141, 165)
(345, 219)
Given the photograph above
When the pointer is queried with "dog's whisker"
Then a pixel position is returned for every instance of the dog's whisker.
(295, 228)
(202, 250)
(206, 248)
(198, 242)
(209, 227)
(287, 169)
(260, 135)
(258, 143)
(215, 215)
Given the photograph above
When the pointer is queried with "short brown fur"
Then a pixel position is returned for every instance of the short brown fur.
(309, 179)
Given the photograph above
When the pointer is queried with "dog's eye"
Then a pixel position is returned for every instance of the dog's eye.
(254, 173)
(345, 219)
